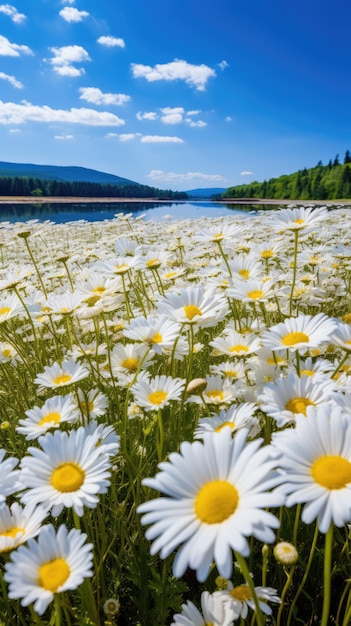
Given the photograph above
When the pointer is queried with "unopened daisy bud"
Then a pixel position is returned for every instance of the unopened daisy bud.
(24, 234)
(265, 550)
(111, 607)
(285, 553)
(197, 386)
(221, 582)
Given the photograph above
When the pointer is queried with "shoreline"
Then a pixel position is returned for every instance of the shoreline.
(239, 201)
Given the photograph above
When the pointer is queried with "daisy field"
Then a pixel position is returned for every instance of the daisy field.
(175, 421)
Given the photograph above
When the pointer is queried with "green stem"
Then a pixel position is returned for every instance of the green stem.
(36, 267)
(305, 576)
(245, 572)
(296, 240)
(327, 575)
(284, 592)
(57, 603)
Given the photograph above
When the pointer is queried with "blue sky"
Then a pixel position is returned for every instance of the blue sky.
(176, 95)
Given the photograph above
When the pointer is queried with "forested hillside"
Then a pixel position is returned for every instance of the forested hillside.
(322, 182)
(28, 186)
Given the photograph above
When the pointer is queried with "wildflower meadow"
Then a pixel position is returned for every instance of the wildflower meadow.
(175, 421)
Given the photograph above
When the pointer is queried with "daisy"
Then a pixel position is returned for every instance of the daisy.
(18, 524)
(245, 268)
(105, 436)
(298, 218)
(10, 307)
(61, 375)
(155, 393)
(213, 612)
(121, 265)
(197, 306)
(342, 336)
(68, 471)
(236, 417)
(316, 466)
(299, 333)
(94, 403)
(286, 398)
(236, 344)
(218, 390)
(53, 563)
(9, 477)
(240, 599)
(129, 358)
(253, 290)
(8, 353)
(216, 496)
(218, 233)
(158, 333)
(234, 370)
(52, 414)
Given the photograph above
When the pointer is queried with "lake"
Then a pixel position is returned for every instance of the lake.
(61, 213)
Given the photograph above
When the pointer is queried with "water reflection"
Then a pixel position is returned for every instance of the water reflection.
(99, 211)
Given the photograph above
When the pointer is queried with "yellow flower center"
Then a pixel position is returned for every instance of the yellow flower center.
(230, 424)
(121, 268)
(347, 318)
(53, 574)
(153, 262)
(50, 417)
(87, 406)
(244, 273)
(191, 310)
(130, 364)
(299, 221)
(99, 289)
(67, 477)
(216, 501)
(298, 405)
(255, 294)
(291, 339)
(266, 254)
(215, 394)
(331, 472)
(12, 532)
(241, 593)
(157, 397)
(6, 352)
(4, 310)
(218, 237)
(62, 379)
(307, 372)
(156, 338)
(276, 361)
(239, 348)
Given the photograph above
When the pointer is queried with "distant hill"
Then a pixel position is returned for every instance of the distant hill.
(205, 193)
(61, 173)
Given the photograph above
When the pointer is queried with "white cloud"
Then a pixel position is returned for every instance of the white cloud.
(96, 96)
(223, 65)
(111, 42)
(8, 49)
(64, 137)
(193, 112)
(172, 115)
(246, 173)
(127, 136)
(12, 12)
(68, 1)
(148, 115)
(12, 80)
(160, 139)
(228, 118)
(195, 75)
(71, 14)
(198, 124)
(160, 175)
(12, 113)
(65, 56)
